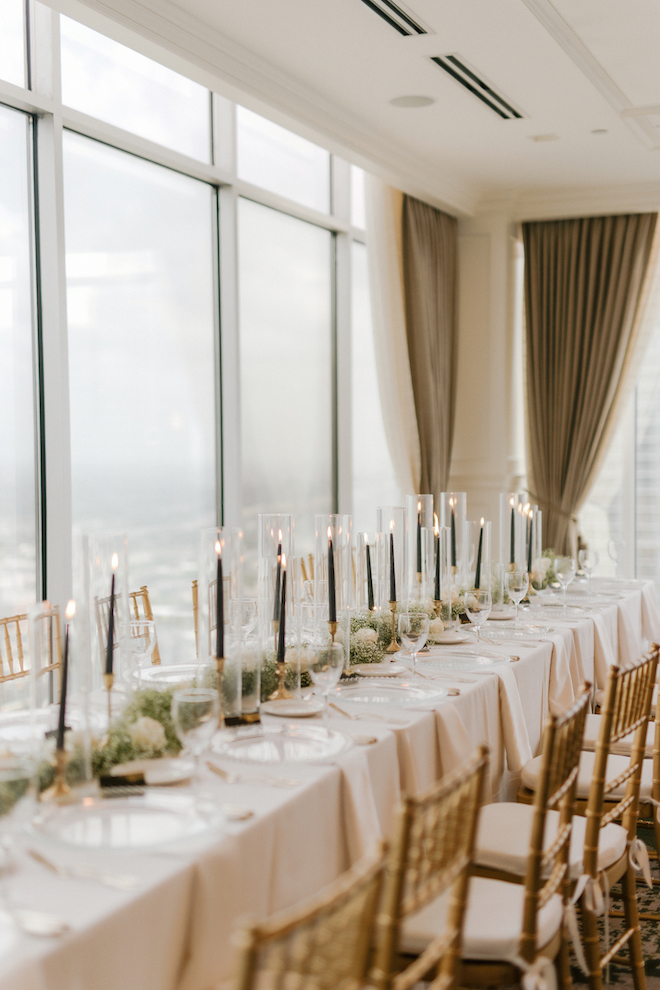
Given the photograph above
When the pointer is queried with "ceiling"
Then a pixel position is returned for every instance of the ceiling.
(332, 67)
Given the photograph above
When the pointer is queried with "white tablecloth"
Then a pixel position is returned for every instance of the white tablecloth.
(174, 931)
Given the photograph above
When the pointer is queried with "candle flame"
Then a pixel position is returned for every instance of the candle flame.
(512, 501)
(419, 506)
(283, 561)
(70, 609)
(114, 563)
(392, 526)
(527, 508)
(218, 548)
(436, 528)
(329, 533)
(279, 535)
(482, 521)
(451, 502)
(366, 540)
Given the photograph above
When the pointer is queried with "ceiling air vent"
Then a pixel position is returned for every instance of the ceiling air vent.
(396, 16)
(468, 78)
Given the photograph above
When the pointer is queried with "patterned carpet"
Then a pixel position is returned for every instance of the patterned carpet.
(648, 900)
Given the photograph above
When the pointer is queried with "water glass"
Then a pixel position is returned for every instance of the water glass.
(325, 664)
(565, 569)
(616, 550)
(413, 631)
(517, 586)
(477, 608)
(142, 643)
(195, 717)
(589, 561)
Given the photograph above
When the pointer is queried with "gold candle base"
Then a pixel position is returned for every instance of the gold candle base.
(454, 568)
(59, 791)
(276, 631)
(438, 607)
(220, 667)
(393, 647)
(512, 566)
(108, 681)
(332, 627)
(280, 691)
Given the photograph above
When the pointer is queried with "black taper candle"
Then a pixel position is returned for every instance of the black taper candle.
(436, 591)
(111, 629)
(477, 572)
(453, 536)
(419, 538)
(512, 547)
(61, 724)
(332, 590)
(219, 607)
(529, 546)
(282, 629)
(392, 571)
(370, 580)
(278, 573)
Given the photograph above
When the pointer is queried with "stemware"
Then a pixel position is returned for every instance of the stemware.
(589, 561)
(143, 643)
(616, 550)
(517, 585)
(413, 630)
(477, 607)
(325, 664)
(565, 569)
(195, 717)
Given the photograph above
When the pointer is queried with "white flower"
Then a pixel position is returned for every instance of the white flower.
(436, 628)
(148, 734)
(366, 635)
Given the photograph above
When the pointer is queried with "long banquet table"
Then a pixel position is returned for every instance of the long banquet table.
(175, 929)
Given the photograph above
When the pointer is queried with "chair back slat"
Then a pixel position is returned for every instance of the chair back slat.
(626, 709)
(12, 658)
(431, 853)
(139, 607)
(323, 946)
(557, 785)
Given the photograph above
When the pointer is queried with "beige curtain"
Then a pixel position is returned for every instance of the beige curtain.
(384, 205)
(583, 282)
(430, 273)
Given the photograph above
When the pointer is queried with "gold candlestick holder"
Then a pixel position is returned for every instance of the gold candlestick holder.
(437, 604)
(59, 790)
(393, 647)
(276, 631)
(220, 668)
(332, 627)
(280, 692)
(108, 681)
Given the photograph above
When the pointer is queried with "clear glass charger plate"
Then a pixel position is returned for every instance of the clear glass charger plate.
(137, 822)
(275, 745)
(474, 660)
(166, 674)
(374, 692)
(526, 631)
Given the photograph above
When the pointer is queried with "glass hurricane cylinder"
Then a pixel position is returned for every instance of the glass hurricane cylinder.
(535, 537)
(230, 541)
(513, 530)
(338, 529)
(363, 568)
(275, 530)
(94, 586)
(453, 513)
(419, 545)
(391, 521)
(477, 564)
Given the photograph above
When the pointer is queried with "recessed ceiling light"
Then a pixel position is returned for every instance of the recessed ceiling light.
(599, 130)
(412, 101)
(544, 137)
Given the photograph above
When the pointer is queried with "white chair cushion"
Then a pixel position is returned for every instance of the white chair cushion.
(615, 766)
(492, 924)
(503, 839)
(620, 748)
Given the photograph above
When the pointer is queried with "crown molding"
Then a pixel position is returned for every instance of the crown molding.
(581, 201)
(235, 72)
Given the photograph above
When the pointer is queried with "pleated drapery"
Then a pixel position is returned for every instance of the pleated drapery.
(583, 282)
(430, 277)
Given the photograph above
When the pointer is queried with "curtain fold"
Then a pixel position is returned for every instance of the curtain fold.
(430, 276)
(584, 279)
(384, 210)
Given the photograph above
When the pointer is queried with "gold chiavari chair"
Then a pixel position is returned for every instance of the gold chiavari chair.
(512, 928)
(429, 860)
(139, 608)
(324, 945)
(213, 622)
(610, 783)
(14, 658)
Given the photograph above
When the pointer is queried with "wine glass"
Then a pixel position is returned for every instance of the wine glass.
(589, 561)
(413, 630)
(616, 550)
(325, 664)
(143, 643)
(517, 585)
(477, 607)
(565, 569)
(195, 717)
